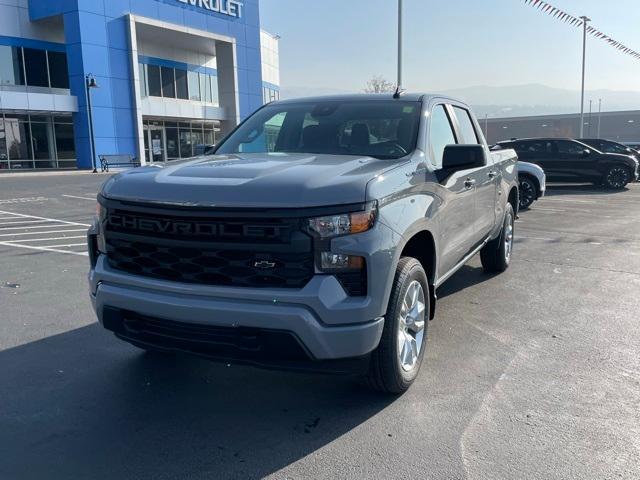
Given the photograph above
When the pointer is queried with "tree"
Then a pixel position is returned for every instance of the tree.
(379, 84)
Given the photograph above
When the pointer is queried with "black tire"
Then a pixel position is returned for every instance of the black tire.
(494, 255)
(386, 373)
(617, 177)
(528, 191)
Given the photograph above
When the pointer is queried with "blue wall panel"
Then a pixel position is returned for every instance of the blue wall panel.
(97, 43)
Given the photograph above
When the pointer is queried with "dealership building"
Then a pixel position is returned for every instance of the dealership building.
(154, 79)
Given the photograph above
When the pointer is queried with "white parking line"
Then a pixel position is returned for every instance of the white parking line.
(81, 198)
(48, 225)
(44, 249)
(42, 239)
(68, 245)
(43, 233)
(20, 222)
(48, 219)
(19, 231)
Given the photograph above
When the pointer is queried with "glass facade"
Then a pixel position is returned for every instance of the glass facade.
(167, 82)
(270, 94)
(32, 67)
(171, 140)
(36, 141)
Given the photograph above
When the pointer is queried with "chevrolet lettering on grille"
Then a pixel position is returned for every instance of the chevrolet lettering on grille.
(194, 228)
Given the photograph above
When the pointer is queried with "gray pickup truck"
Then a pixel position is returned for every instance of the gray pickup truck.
(314, 238)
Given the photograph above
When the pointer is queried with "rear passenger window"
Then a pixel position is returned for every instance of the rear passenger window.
(467, 130)
(535, 147)
(440, 134)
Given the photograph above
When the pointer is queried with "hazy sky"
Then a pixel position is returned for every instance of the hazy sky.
(451, 44)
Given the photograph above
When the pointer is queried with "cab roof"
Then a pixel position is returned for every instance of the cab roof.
(407, 97)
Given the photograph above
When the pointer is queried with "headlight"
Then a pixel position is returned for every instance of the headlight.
(344, 224)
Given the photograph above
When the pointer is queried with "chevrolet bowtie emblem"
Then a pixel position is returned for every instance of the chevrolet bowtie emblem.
(264, 264)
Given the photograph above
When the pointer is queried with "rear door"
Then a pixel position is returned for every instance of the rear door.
(456, 216)
(485, 178)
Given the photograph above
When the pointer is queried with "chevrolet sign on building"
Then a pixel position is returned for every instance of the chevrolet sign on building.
(173, 77)
(232, 8)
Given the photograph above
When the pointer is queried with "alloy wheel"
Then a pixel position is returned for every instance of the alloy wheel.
(508, 238)
(617, 177)
(411, 326)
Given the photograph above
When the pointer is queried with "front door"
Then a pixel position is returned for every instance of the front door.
(458, 209)
(157, 145)
(573, 163)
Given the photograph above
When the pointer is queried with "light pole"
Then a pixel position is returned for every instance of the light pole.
(599, 115)
(90, 82)
(584, 56)
(399, 85)
(589, 131)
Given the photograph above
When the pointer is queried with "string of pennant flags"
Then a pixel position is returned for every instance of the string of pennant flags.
(549, 9)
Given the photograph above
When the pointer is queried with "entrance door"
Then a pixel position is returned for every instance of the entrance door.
(157, 144)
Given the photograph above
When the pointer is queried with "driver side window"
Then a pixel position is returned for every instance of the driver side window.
(440, 134)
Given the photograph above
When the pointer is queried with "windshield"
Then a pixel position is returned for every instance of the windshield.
(375, 128)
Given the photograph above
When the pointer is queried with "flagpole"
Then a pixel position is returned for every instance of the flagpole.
(584, 56)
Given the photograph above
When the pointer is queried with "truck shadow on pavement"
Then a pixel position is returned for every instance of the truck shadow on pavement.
(85, 405)
(466, 277)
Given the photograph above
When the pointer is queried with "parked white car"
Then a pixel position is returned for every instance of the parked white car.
(532, 183)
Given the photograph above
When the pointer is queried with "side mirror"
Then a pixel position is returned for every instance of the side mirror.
(463, 157)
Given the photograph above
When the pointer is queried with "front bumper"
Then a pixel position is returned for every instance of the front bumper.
(116, 296)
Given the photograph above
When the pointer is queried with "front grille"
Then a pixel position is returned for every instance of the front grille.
(208, 250)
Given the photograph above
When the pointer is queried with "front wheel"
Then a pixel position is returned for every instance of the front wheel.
(496, 255)
(616, 177)
(528, 192)
(396, 362)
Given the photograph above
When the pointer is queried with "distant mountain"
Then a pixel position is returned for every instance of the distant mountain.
(513, 100)
(534, 99)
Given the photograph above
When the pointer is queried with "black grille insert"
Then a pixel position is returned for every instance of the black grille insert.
(209, 250)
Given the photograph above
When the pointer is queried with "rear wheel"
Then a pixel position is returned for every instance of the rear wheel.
(496, 255)
(396, 362)
(617, 177)
(528, 191)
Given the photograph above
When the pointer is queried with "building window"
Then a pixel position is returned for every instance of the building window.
(43, 68)
(11, 71)
(58, 70)
(36, 141)
(155, 86)
(4, 158)
(182, 89)
(168, 82)
(214, 90)
(194, 86)
(144, 91)
(35, 63)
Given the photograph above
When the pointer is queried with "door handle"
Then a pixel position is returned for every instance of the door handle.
(492, 174)
(469, 183)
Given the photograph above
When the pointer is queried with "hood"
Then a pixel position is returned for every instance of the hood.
(252, 180)
(530, 168)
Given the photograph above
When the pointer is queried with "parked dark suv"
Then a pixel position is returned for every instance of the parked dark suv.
(609, 146)
(567, 160)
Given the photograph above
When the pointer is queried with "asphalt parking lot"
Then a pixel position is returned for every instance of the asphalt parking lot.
(531, 374)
